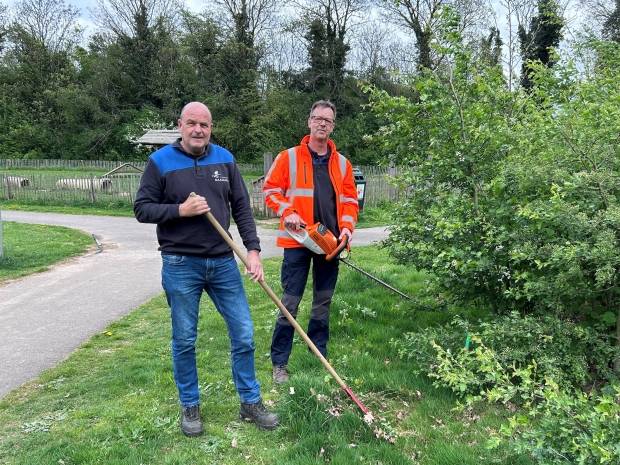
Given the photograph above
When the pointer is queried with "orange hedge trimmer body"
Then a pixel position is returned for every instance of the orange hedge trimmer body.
(322, 241)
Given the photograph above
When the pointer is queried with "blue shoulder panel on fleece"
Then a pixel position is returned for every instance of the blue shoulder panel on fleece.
(169, 158)
(215, 155)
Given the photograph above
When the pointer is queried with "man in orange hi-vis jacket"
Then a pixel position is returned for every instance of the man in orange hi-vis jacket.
(307, 184)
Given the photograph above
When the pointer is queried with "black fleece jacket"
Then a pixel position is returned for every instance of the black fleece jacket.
(171, 175)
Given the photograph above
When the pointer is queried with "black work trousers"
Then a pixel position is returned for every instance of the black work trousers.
(294, 274)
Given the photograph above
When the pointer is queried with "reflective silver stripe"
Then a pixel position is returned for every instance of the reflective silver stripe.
(348, 218)
(301, 192)
(283, 206)
(292, 167)
(343, 165)
(344, 199)
(283, 234)
(275, 190)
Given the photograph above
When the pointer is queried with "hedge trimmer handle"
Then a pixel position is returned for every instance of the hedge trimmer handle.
(343, 244)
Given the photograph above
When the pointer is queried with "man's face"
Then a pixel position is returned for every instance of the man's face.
(195, 128)
(321, 123)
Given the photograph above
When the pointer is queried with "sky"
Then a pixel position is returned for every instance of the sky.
(85, 7)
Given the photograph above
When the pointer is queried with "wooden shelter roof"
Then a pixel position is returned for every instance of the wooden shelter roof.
(159, 137)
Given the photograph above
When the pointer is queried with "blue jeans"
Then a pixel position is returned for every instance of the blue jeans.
(184, 278)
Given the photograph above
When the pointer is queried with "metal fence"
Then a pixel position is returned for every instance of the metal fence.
(120, 188)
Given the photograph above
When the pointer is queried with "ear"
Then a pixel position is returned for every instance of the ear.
(179, 123)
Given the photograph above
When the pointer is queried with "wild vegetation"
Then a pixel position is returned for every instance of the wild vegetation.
(513, 206)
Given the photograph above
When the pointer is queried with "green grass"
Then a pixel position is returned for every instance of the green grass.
(116, 209)
(30, 248)
(374, 216)
(114, 401)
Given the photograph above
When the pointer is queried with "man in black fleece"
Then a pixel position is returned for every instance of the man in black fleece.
(196, 258)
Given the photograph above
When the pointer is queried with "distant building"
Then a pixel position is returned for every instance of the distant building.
(159, 137)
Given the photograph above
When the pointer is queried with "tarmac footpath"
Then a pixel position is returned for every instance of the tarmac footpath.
(44, 317)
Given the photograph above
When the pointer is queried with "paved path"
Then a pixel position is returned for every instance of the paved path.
(45, 316)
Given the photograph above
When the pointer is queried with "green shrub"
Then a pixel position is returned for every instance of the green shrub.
(568, 428)
(509, 355)
(512, 197)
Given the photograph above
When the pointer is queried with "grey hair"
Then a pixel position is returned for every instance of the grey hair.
(323, 104)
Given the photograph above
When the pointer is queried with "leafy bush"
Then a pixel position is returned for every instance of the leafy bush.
(510, 355)
(513, 199)
(568, 428)
(538, 364)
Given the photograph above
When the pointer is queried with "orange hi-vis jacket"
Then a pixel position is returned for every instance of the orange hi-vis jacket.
(289, 188)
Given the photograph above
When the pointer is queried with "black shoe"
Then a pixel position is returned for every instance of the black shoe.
(191, 424)
(257, 413)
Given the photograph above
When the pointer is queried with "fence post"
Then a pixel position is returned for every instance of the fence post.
(8, 187)
(92, 189)
(1, 237)
(267, 161)
(393, 192)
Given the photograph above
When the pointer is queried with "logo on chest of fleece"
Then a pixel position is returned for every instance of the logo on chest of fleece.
(217, 177)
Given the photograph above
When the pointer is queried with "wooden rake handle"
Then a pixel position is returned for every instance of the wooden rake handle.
(285, 312)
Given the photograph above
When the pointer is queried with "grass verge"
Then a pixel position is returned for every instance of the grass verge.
(114, 401)
(30, 248)
(86, 209)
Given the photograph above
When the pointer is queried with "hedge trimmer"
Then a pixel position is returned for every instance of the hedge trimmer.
(322, 241)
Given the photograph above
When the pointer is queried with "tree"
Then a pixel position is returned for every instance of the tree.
(371, 49)
(127, 18)
(611, 26)
(38, 65)
(327, 54)
(200, 41)
(423, 18)
(450, 139)
(138, 40)
(4, 26)
(544, 34)
(517, 13)
(491, 47)
(510, 198)
(251, 19)
(50, 23)
(328, 27)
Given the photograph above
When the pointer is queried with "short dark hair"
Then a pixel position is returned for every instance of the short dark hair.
(323, 104)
